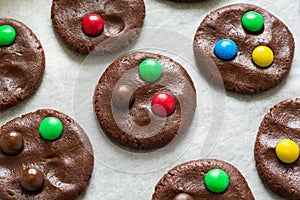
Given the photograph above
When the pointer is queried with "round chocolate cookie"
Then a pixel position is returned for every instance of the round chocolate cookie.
(103, 26)
(143, 100)
(44, 155)
(22, 62)
(245, 46)
(203, 179)
(277, 149)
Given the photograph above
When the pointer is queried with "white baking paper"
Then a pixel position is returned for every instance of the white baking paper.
(224, 126)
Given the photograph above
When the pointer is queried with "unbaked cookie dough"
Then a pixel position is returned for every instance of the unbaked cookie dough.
(22, 62)
(277, 149)
(44, 155)
(100, 26)
(245, 47)
(143, 100)
(204, 179)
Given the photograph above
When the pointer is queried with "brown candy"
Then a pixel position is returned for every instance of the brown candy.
(11, 142)
(183, 196)
(121, 125)
(32, 179)
(72, 152)
(123, 96)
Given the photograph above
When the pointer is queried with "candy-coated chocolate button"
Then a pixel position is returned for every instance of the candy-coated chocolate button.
(216, 180)
(287, 151)
(183, 196)
(11, 142)
(262, 56)
(32, 179)
(225, 49)
(252, 21)
(51, 128)
(150, 70)
(163, 104)
(123, 96)
(7, 35)
(92, 24)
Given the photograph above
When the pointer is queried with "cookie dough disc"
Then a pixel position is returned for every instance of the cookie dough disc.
(282, 122)
(241, 74)
(138, 127)
(188, 178)
(66, 163)
(22, 65)
(123, 20)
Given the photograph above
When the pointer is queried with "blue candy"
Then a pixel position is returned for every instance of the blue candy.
(225, 49)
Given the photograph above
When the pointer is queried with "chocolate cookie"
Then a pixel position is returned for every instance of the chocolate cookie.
(102, 26)
(22, 62)
(143, 100)
(277, 149)
(203, 179)
(44, 155)
(248, 47)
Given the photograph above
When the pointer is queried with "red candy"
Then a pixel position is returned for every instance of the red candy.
(163, 104)
(92, 24)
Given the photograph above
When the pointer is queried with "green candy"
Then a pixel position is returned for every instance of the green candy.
(252, 21)
(50, 128)
(150, 70)
(7, 35)
(216, 180)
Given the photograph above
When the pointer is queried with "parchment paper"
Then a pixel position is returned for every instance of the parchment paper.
(224, 126)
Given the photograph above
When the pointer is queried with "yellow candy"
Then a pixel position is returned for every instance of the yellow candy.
(287, 151)
(262, 56)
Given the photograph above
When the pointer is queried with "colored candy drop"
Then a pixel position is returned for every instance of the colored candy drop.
(252, 21)
(11, 142)
(51, 128)
(216, 180)
(150, 70)
(123, 96)
(7, 35)
(225, 49)
(92, 24)
(287, 151)
(32, 179)
(262, 56)
(183, 196)
(163, 104)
